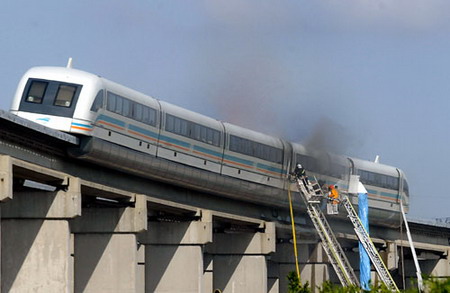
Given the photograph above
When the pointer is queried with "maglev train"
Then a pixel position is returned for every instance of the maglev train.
(124, 129)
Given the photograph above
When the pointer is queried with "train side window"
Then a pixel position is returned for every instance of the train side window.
(309, 163)
(379, 180)
(119, 102)
(126, 108)
(64, 95)
(184, 127)
(216, 140)
(255, 149)
(204, 134)
(98, 102)
(152, 116)
(196, 131)
(170, 123)
(137, 113)
(210, 136)
(111, 103)
(36, 92)
(146, 115)
(234, 143)
(177, 125)
(190, 129)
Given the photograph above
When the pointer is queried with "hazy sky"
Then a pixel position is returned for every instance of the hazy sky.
(374, 76)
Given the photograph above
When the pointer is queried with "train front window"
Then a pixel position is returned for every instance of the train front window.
(36, 92)
(65, 95)
(405, 187)
(98, 102)
(50, 97)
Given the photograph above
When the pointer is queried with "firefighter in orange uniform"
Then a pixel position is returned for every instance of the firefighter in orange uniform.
(333, 196)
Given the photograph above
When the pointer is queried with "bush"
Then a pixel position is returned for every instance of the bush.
(437, 285)
(295, 286)
(432, 285)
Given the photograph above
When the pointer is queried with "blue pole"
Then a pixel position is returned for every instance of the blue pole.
(364, 261)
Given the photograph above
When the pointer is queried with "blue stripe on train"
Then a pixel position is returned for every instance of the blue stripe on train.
(269, 168)
(111, 120)
(238, 160)
(181, 143)
(208, 151)
(174, 141)
(82, 125)
(143, 131)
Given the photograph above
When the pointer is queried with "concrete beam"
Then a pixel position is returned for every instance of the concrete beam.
(113, 220)
(244, 243)
(61, 204)
(38, 173)
(193, 232)
(425, 246)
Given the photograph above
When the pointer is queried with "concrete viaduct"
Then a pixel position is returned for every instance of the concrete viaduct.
(70, 226)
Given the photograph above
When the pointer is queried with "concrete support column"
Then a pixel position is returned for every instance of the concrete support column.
(36, 243)
(240, 260)
(391, 256)
(174, 256)
(106, 252)
(313, 262)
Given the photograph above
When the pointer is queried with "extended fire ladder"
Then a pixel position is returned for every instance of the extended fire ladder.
(367, 243)
(330, 244)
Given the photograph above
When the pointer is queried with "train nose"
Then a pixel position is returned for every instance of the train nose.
(55, 122)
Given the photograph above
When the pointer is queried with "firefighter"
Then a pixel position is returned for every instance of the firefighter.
(300, 172)
(333, 197)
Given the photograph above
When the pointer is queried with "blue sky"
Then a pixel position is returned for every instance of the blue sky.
(371, 77)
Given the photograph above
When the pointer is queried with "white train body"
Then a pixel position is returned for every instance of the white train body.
(125, 129)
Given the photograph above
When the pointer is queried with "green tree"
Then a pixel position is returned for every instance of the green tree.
(295, 286)
(436, 285)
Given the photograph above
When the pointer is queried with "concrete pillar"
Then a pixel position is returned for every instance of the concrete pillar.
(36, 256)
(313, 262)
(174, 256)
(273, 277)
(240, 260)
(106, 252)
(390, 256)
(36, 242)
(6, 178)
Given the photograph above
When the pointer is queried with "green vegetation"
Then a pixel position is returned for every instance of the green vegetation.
(434, 285)
(295, 286)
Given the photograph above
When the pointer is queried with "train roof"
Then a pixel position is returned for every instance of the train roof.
(190, 115)
(375, 167)
(253, 135)
(59, 73)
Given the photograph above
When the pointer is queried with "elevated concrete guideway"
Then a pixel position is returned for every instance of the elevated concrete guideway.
(72, 226)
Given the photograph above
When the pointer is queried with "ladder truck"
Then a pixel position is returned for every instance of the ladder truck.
(311, 195)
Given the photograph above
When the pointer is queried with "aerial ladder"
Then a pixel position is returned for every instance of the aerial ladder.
(367, 243)
(311, 193)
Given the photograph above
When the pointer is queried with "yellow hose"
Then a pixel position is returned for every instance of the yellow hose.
(294, 236)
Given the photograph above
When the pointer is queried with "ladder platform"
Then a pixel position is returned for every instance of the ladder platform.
(315, 199)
